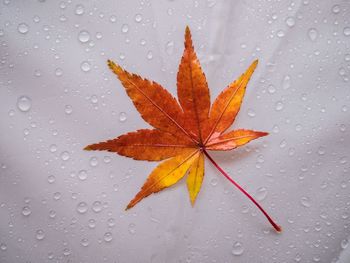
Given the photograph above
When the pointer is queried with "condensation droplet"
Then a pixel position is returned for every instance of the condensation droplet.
(26, 211)
(344, 243)
(261, 193)
(251, 113)
(68, 109)
(85, 66)
(108, 237)
(59, 72)
(313, 34)
(346, 31)
(286, 83)
(305, 201)
(92, 223)
(149, 55)
(84, 36)
(51, 179)
(271, 89)
(336, 9)
(79, 10)
(82, 175)
(24, 103)
(97, 206)
(113, 18)
(279, 106)
(132, 228)
(65, 156)
(169, 48)
(82, 208)
(321, 150)
(23, 28)
(93, 161)
(214, 182)
(3, 246)
(237, 249)
(138, 18)
(84, 242)
(290, 21)
(40, 234)
(53, 148)
(122, 117)
(125, 28)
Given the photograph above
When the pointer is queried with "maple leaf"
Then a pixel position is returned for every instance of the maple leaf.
(185, 130)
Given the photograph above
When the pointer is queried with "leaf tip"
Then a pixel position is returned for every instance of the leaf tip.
(88, 148)
(262, 134)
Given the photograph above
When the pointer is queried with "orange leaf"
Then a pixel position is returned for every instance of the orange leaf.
(192, 90)
(184, 132)
(233, 139)
(228, 103)
(164, 175)
(150, 145)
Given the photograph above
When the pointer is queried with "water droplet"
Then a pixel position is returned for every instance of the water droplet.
(290, 21)
(111, 222)
(305, 201)
(85, 66)
(149, 55)
(24, 103)
(59, 72)
(342, 128)
(169, 48)
(346, 31)
(84, 36)
(336, 9)
(343, 160)
(313, 34)
(271, 89)
(84, 242)
(251, 113)
(347, 57)
(298, 127)
(280, 33)
(82, 208)
(138, 18)
(113, 18)
(82, 175)
(107, 159)
(57, 196)
(279, 106)
(132, 228)
(92, 223)
(125, 28)
(122, 117)
(51, 179)
(98, 35)
(321, 150)
(93, 161)
(286, 83)
(53, 148)
(23, 28)
(66, 252)
(52, 214)
(79, 10)
(214, 182)
(344, 243)
(108, 237)
(97, 206)
(115, 187)
(65, 156)
(237, 249)
(261, 193)
(26, 211)
(40, 234)
(68, 109)
(3, 246)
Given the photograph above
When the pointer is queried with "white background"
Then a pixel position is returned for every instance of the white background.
(59, 203)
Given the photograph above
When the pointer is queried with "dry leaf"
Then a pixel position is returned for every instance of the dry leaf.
(185, 130)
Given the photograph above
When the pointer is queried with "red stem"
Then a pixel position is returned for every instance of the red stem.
(276, 227)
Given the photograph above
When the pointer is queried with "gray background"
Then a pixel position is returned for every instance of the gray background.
(61, 204)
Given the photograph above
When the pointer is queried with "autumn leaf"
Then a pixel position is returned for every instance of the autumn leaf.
(185, 130)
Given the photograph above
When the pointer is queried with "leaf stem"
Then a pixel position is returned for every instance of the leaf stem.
(276, 227)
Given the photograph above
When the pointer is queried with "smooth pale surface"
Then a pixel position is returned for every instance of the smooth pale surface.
(299, 93)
